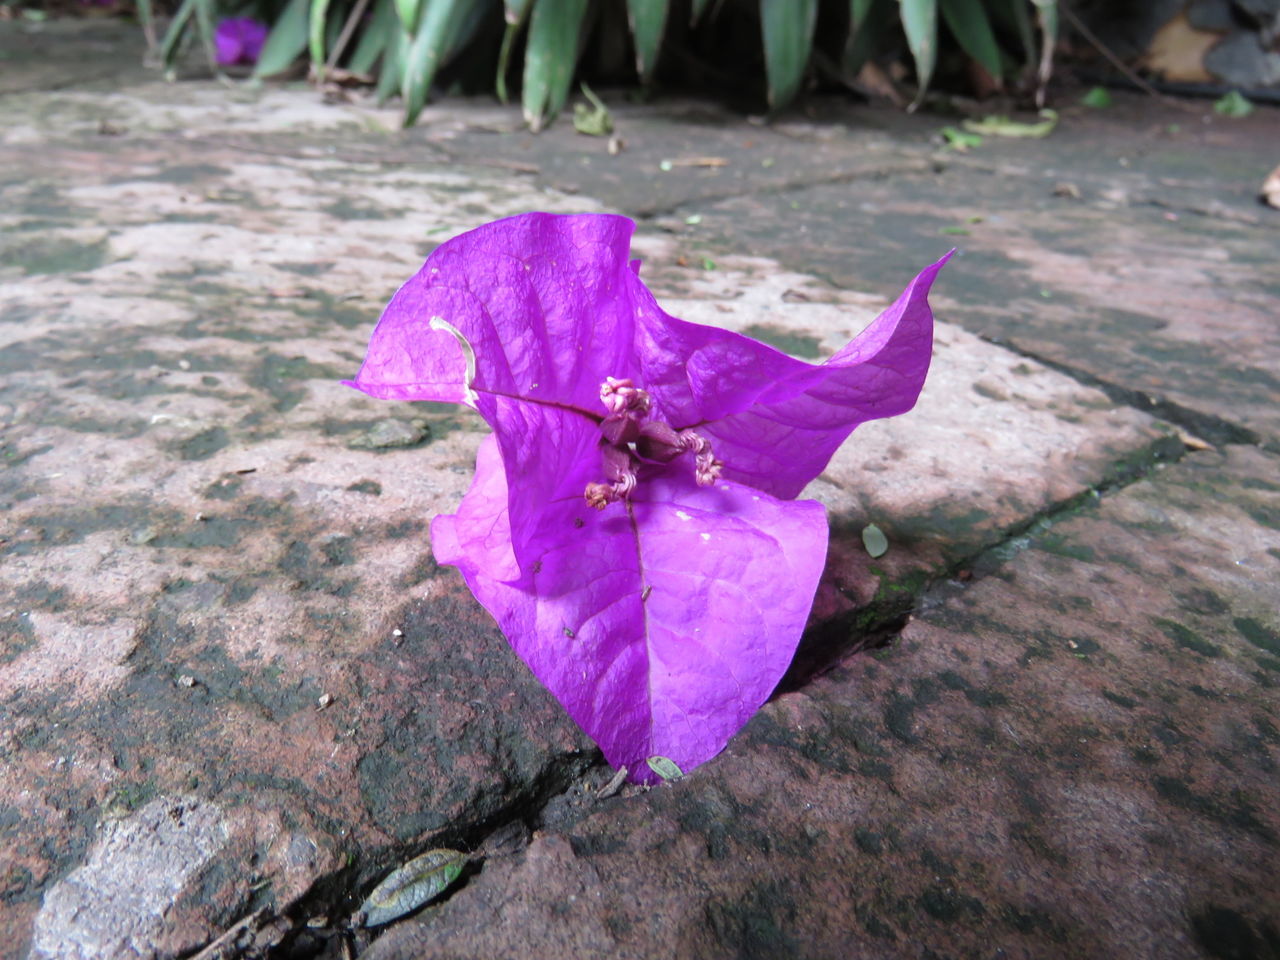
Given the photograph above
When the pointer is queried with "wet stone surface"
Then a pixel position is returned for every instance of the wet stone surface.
(228, 661)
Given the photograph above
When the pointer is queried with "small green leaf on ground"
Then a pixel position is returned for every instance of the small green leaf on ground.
(593, 120)
(875, 541)
(1099, 98)
(961, 140)
(693, 219)
(999, 126)
(410, 886)
(954, 231)
(1234, 104)
(708, 263)
(665, 767)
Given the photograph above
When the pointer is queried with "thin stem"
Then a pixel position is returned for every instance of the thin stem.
(344, 38)
(595, 418)
(1120, 64)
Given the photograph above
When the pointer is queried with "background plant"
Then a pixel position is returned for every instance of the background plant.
(769, 47)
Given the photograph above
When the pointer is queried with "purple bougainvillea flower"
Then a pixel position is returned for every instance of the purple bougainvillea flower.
(239, 40)
(631, 524)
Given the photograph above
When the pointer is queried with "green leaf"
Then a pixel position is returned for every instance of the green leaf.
(205, 28)
(433, 43)
(648, 19)
(318, 19)
(1098, 98)
(1014, 17)
(1047, 16)
(177, 29)
(392, 70)
(375, 37)
(147, 18)
(594, 120)
(869, 25)
(504, 58)
(514, 10)
(998, 126)
(409, 11)
(410, 886)
(550, 57)
(665, 768)
(968, 23)
(1234, 104)
(920, 23)
(287, 40)
(874, 540)
(787, 26)
(961, 140)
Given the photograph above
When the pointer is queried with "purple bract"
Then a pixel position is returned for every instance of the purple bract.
(632, 525)
(239, 40)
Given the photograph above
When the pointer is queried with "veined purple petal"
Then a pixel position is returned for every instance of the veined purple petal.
(479, 534)
(661, 627)
(551, 454)
(543, 302)
(776, 421)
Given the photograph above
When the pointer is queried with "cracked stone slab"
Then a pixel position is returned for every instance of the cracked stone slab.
(1074, 755)
(1149, 269)
(216, 580)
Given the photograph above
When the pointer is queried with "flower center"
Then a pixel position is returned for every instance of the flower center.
(628, 439)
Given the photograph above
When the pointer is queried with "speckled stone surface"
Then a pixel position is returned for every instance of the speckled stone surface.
(1074, 756)
(228, 661)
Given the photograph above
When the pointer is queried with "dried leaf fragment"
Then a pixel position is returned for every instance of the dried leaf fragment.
(1271, 188)
(411, 885)
(614, 785)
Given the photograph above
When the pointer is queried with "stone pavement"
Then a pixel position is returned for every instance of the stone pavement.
(235, 690)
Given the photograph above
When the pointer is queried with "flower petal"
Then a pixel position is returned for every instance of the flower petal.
(542, 302)
(776, 421)
(661, 628)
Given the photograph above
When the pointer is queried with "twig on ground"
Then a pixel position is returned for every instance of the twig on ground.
(214, 950)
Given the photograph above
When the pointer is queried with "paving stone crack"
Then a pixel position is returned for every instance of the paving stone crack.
(1206, 426)
(879, 623)
(340, 894)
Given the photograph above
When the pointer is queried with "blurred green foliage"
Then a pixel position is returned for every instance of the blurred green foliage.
(405, 47)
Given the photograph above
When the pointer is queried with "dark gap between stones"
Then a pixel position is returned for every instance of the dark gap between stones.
(1206, 426)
